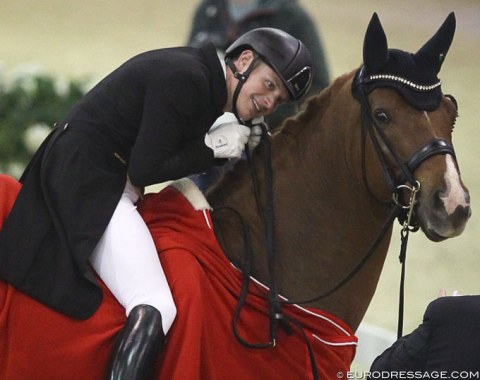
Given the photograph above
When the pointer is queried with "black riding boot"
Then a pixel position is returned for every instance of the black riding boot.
(135, 352)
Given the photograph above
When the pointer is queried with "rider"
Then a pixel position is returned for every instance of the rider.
(147, 122)
(223, 21)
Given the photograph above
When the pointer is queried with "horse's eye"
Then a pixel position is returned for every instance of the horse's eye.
(381, 117)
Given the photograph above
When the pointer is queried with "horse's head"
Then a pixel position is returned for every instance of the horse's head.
(410, 123)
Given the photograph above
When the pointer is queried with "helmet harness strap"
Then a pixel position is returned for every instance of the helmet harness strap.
(242, 78)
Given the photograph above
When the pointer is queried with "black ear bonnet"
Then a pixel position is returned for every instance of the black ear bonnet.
(414, 76)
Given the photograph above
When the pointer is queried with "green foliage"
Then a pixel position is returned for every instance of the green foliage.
(30, 101)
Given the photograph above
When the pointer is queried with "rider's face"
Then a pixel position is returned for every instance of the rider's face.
(262, 92)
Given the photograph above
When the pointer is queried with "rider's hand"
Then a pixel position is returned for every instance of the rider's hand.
(255, 137)
(255, 133)
(227, 140)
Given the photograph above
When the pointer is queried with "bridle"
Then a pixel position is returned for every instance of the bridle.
(369, 125)
(396, 184)
(405, 181)
(242, 78)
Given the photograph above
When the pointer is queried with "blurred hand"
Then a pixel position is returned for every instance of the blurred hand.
(255, 137)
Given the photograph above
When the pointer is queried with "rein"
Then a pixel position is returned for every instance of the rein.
(276, 316)
(267, 213)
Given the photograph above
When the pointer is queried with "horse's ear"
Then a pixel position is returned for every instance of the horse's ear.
(433, 53)
(375, 47)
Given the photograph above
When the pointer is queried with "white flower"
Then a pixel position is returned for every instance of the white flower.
(25, 76)
(61, 86)
(34, 135)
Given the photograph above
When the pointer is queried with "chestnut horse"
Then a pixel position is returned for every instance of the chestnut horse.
(299, 228)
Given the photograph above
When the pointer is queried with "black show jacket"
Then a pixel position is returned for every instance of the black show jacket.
(147, 120)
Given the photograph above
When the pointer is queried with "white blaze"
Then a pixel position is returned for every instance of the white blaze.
(454, 195)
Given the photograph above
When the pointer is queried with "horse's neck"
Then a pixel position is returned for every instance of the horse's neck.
(324, 218)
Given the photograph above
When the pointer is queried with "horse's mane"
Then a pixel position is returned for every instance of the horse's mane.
(313, 108)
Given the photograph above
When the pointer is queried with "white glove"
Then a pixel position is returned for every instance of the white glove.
(227, 140)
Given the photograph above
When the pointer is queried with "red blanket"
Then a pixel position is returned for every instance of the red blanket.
(38, 343)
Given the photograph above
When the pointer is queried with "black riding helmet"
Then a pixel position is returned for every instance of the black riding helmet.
(285, 54)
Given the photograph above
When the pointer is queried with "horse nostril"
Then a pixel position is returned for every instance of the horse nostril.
(452, 203)
(460, 216)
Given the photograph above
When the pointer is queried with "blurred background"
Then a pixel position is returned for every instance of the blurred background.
(66, 46)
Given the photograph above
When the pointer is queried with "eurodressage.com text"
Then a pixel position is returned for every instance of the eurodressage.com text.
(411, 375)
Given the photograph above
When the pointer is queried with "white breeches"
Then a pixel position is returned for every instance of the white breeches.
(126, 260)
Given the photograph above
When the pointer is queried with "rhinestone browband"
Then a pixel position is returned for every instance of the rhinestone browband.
(418, 87)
